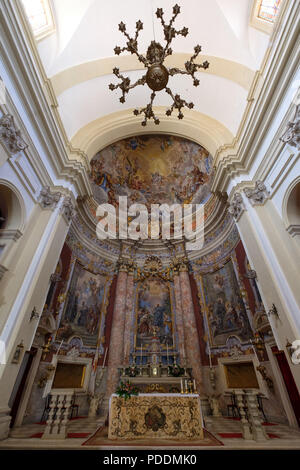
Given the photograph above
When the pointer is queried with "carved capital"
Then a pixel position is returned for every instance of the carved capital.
(257, 195)
(68, 209)
(180, 264)
(236, 207)
(10, 136)
(292, 134)
(125, 265)
(48, 199)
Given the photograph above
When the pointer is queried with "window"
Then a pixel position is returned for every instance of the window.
(264, 13)
(40, 17)
(268, 10)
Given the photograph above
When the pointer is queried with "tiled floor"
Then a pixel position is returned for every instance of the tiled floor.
(82, 429)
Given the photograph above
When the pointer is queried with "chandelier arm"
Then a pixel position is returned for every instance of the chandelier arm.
(178, 103)
(132, 43)
(140, 81)
(147, 111)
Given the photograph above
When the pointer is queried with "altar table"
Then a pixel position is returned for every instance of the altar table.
(156, 416)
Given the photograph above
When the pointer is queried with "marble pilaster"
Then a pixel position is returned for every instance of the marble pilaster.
(192, 347)
(128, 311)
(117, 332)
(179, 319)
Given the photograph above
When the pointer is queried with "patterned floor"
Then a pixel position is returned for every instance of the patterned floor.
(225, 431)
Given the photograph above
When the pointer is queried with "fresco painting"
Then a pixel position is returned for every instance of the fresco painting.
(81, 317)
(152, 169)
(225, 307)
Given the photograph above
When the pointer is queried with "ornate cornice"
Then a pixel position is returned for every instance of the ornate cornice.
(292, 134)
(236, 207)
(10, 136)
(48, 199)
(257, 195)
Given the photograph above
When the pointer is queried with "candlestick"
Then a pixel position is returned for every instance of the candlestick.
(104, 358)
(209, 355)
(181, 385)
(253, 347)
(167, 354)
(59, 347)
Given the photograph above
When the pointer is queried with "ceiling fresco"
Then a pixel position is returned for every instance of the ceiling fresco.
(152, 169)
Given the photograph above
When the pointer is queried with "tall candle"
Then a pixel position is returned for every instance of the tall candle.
(104, 357)
(254, 350)
(209, 354)
(59, 347)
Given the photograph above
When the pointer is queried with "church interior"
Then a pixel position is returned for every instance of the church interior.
(142, 342)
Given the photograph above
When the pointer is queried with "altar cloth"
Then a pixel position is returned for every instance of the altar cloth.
(156, 416)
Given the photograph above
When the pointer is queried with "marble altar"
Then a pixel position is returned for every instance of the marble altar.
(156, 416)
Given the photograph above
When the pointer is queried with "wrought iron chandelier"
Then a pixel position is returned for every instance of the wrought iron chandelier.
(157, 75)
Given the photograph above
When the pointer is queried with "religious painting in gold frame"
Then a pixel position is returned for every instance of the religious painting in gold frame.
(154, 314)
(240, 375)
(69, 375)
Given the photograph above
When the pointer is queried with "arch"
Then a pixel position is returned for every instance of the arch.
(291, 208)
(198, 127)
(12, 207)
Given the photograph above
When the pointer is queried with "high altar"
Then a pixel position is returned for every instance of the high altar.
(153, 415)
(158, 415)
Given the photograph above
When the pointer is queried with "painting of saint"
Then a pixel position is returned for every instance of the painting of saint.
(154, 316)
(225, 307)
(82, 313)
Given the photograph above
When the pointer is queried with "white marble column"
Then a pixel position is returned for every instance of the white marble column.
(274, 255)
(27, 287)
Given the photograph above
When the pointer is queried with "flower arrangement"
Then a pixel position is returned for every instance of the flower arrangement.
(126, 389)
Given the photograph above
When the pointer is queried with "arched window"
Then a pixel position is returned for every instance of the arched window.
(264, 14)
(40, 17)
(268, 10)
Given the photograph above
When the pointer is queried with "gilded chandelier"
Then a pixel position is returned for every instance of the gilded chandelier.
(157, 75)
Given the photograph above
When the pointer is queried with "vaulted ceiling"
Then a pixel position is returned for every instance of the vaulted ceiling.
(79, 58)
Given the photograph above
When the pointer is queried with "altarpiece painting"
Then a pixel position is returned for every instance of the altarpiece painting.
(83, 307)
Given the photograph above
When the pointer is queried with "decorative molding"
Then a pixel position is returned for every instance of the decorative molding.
(236, 207)
(68, 209)
(3, 270)
(292, 134)
(257, 195)
(10, 136)
(10, 234)
(48, 199)
(294, 230)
